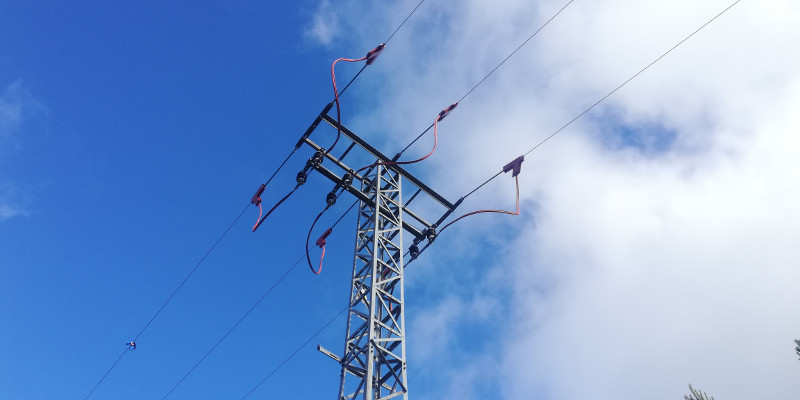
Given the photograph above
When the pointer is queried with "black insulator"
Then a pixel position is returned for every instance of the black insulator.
(316, 160)
(301, 177)
(413, 251)
(331, 198)
(347, 179)
(430, 233)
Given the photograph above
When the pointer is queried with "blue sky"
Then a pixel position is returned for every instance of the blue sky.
(144, 130)
(131, 136)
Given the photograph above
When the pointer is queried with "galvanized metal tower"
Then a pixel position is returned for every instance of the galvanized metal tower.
(373, 363)
(375, 348)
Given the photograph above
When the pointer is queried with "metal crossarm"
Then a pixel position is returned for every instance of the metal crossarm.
(373, 363)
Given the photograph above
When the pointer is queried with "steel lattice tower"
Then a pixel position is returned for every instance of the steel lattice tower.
(373, 364)
(375, 349)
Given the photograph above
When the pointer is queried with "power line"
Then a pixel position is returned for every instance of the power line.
(492, 71)
(632, 77)
(274, 285)
(294, 353)
(106, 374)
(337, 94)
(516, 50)
(344, 213)
(213, 246)
(357, 74)
(404, 21)
(189, 275)
(384, 43)
(612, 91)
(592, 106)
(528, 152)
(175, 291)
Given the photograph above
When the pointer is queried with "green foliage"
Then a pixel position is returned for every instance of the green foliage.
(697, 395)
(797, 349)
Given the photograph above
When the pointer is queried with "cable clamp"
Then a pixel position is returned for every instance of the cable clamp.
(374, 53)
(514, 166)
(322, 239)
(447, 111)
(256, 200)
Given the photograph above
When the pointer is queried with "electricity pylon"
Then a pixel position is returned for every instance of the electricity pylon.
(373, 365)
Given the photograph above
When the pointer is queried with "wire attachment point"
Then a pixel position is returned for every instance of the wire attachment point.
(256, 200)
(321, 244)
(374, 53)
(447, 111)
(323, 239)
(514, 166)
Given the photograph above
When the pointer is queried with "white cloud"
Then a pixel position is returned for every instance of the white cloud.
(324, 23)
(637, 271)
(11, 110)
(16, 105)
(10, 204)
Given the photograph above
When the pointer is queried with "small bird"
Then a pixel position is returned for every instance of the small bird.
(131, 345)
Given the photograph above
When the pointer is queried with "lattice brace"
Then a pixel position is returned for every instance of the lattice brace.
(389, 378)
(354, 361)
(375, 345)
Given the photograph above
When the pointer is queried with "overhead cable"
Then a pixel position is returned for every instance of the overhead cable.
(439, 117)
(370, 58)
(107, 372)
(587, 110)
(516, 50)
(322, 241)
(492, 71)
(513, 166)
(271, 288)
(385, 43)
(287, 359)
(404, 21)
(167, 301)
(632, 77)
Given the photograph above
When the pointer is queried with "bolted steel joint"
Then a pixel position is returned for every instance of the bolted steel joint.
(316, 160)
(347, 179)
(430, 233)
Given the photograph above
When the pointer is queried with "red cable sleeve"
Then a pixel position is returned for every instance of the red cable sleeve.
(336, 98)
(516, 178)
(260, 211)
(435, 142)
(320, 262)
(274, 207)
(308, 237)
